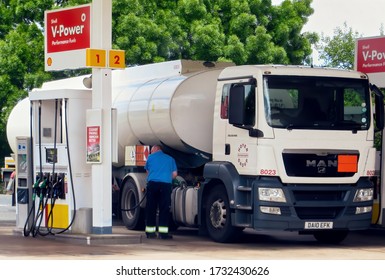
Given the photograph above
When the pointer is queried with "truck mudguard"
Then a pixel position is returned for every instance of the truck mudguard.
(224, 172)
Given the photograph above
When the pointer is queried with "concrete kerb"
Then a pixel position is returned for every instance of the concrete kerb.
(120, 235)
(100, 239)
(92, 239)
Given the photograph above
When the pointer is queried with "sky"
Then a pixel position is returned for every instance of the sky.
(363, 16)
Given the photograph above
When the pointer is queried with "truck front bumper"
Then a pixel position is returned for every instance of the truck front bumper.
(312, 207)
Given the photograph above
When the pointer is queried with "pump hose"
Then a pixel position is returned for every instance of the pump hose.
(175, 184)
(26, 231)
(53, 198)
(31, 212)
(137, 205)
(39, 217)
(71, 179)
(49, 218)
(70, 170)
(34, 229)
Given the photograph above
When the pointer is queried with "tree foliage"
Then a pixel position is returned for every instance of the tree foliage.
(338, 51)
(242, 31)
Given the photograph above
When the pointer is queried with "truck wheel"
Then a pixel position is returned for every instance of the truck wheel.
(331, 237)
(132, 214)
(218, 217)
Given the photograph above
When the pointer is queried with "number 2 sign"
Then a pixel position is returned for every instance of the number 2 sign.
(116, 59)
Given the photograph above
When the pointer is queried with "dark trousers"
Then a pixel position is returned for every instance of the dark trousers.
(158, 196)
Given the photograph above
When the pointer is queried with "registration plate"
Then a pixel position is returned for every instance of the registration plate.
(318, 225)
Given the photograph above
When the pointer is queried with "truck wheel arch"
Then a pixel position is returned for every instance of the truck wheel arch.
(218, 173)
(223, 171)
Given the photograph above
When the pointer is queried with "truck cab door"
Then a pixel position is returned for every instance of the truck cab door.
(235, 135)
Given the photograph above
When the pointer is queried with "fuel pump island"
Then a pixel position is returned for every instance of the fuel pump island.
(48, 169)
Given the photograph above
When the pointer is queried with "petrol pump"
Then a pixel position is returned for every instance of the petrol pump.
(61, 188)
(24, 204)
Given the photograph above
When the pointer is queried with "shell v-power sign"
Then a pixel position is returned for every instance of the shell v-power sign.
(67, 36)
(68, 41)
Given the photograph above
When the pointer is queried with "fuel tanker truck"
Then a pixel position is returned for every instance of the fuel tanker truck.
(266, 147)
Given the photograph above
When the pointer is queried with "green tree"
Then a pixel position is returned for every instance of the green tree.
(338, 51)
(242, 31)
(21, 54)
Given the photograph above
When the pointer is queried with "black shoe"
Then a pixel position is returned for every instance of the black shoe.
(151, 235)
(165, 236)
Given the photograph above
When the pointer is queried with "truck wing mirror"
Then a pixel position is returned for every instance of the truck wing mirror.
(379, 107)
(237, 105)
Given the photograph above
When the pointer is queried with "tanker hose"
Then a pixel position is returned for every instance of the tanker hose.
(177, 182)
(137, 205)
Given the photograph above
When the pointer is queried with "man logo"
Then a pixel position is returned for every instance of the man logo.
(321, 165)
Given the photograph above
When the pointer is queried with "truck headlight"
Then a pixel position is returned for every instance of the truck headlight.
(363, 195)
(271, 194)
(270, 210)
(363, 210)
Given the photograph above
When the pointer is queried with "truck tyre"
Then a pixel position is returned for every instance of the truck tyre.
(331, 237)
(132, 213)
(218, 216)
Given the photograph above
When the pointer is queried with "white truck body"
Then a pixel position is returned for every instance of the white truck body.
(267, 167)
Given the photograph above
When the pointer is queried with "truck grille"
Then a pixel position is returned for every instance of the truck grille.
(312, 165)
(321, 203)
(319, 195)
(318, 212)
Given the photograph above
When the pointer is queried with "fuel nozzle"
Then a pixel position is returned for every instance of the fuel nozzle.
(36, 189)
(58, 190)
(43, 186)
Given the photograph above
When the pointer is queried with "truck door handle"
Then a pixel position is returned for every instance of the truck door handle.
(227, 149)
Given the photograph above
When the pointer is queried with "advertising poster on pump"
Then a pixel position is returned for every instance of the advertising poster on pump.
(93, 144)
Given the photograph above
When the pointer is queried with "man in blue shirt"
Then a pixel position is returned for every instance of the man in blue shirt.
(161, 169)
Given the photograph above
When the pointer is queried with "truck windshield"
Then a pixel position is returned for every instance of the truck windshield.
(316, 103)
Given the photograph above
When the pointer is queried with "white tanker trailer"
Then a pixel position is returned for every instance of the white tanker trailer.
(262, 147)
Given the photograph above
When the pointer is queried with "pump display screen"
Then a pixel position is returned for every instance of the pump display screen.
(51, 155)
(317, 102)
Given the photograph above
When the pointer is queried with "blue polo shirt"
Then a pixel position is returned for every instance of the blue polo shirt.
(160, 167)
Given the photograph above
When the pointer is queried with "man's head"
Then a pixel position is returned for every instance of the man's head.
(155, 149)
